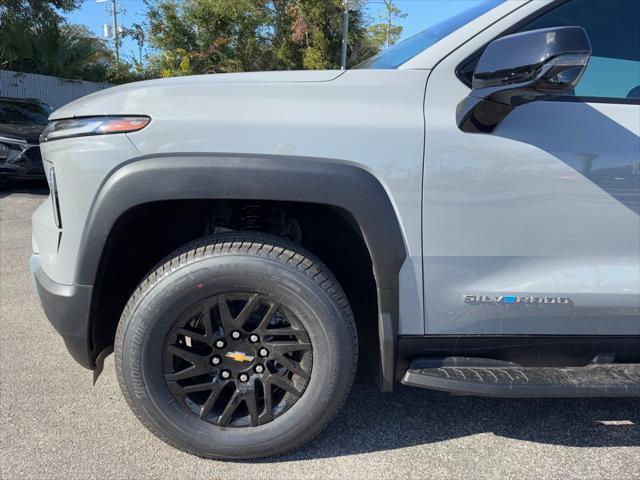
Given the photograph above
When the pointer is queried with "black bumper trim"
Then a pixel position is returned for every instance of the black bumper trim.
(67, 307)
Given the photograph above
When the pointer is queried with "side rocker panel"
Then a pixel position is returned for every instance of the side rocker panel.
(281, 178)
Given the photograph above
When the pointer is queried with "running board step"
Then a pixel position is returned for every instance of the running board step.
(491, 378)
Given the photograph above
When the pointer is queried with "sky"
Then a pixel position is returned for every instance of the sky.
(420, 15)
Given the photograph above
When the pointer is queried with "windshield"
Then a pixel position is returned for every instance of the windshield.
(404, 51)
(15, 111)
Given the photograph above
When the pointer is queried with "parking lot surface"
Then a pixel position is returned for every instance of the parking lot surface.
(55, 424)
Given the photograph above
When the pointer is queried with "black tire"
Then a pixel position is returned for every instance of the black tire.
(237, 262)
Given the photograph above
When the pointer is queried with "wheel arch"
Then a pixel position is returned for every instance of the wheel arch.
(157, 178)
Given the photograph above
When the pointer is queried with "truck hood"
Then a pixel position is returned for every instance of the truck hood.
(101, 103)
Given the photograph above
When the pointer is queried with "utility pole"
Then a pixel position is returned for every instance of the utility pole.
(348, 5)
(107, 29)
(116, 34)
(345, 36)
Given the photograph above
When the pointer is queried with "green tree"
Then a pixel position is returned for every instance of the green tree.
(68, 51)
(35, 11)
(137, 33)
(387, 32)
(34, 38)
(206, 36)
(321, 24)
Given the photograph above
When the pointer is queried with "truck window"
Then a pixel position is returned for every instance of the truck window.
(404, 51)
(614, 30)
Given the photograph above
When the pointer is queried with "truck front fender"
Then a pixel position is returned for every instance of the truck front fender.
(266, 177)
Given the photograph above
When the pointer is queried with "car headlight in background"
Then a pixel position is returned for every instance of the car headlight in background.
(82, 127)
(4, 152)
(12, 148)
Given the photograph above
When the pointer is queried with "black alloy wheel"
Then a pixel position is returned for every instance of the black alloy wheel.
(238, 360)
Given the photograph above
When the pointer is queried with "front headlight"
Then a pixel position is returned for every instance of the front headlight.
(82, 127)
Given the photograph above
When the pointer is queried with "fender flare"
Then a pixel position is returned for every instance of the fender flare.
(205, 176)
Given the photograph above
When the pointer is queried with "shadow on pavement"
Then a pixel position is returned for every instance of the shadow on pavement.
(372, 421)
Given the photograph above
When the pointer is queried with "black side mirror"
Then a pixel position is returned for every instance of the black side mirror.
(523, 68)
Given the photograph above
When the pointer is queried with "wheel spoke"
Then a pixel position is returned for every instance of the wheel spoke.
(285, 384)
(262, 326)
(186, 355)
(292, 366)
(229, 410)
(200, 387)
(299, 333)
(193, 335)
(287, 346)
(225, 313)
(207, 321)
(247, 310)
(198, 367)
(252, 405)
(267, 416)
(211, 400)
(189, 372)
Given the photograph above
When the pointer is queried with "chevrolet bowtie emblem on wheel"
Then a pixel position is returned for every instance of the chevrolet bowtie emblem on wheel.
(239, 356)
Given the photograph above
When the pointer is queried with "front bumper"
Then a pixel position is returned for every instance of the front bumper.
(68, 308)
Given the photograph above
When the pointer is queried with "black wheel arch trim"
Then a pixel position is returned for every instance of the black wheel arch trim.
(191, 176)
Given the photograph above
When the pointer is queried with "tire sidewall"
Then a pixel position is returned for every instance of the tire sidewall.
(154, 314)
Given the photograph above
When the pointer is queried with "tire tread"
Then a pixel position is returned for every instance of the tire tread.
(238, 243)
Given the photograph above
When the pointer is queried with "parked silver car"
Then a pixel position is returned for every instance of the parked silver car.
(465, 205)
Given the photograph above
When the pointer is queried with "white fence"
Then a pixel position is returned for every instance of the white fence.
(51, 90)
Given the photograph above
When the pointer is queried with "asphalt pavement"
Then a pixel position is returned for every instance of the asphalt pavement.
(55, 424)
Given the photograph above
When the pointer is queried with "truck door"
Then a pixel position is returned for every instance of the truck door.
(534, 229)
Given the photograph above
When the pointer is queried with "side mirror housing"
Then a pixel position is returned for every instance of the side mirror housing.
(523, 68)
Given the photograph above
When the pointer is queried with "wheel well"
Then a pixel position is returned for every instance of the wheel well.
(145, 234)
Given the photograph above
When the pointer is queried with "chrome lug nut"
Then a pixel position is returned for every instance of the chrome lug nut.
(259, 369)
(236, 334)
(220, 344)
(254, 338)
(244, 377)
(216, 360)
(263, 352)
(225, 374)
